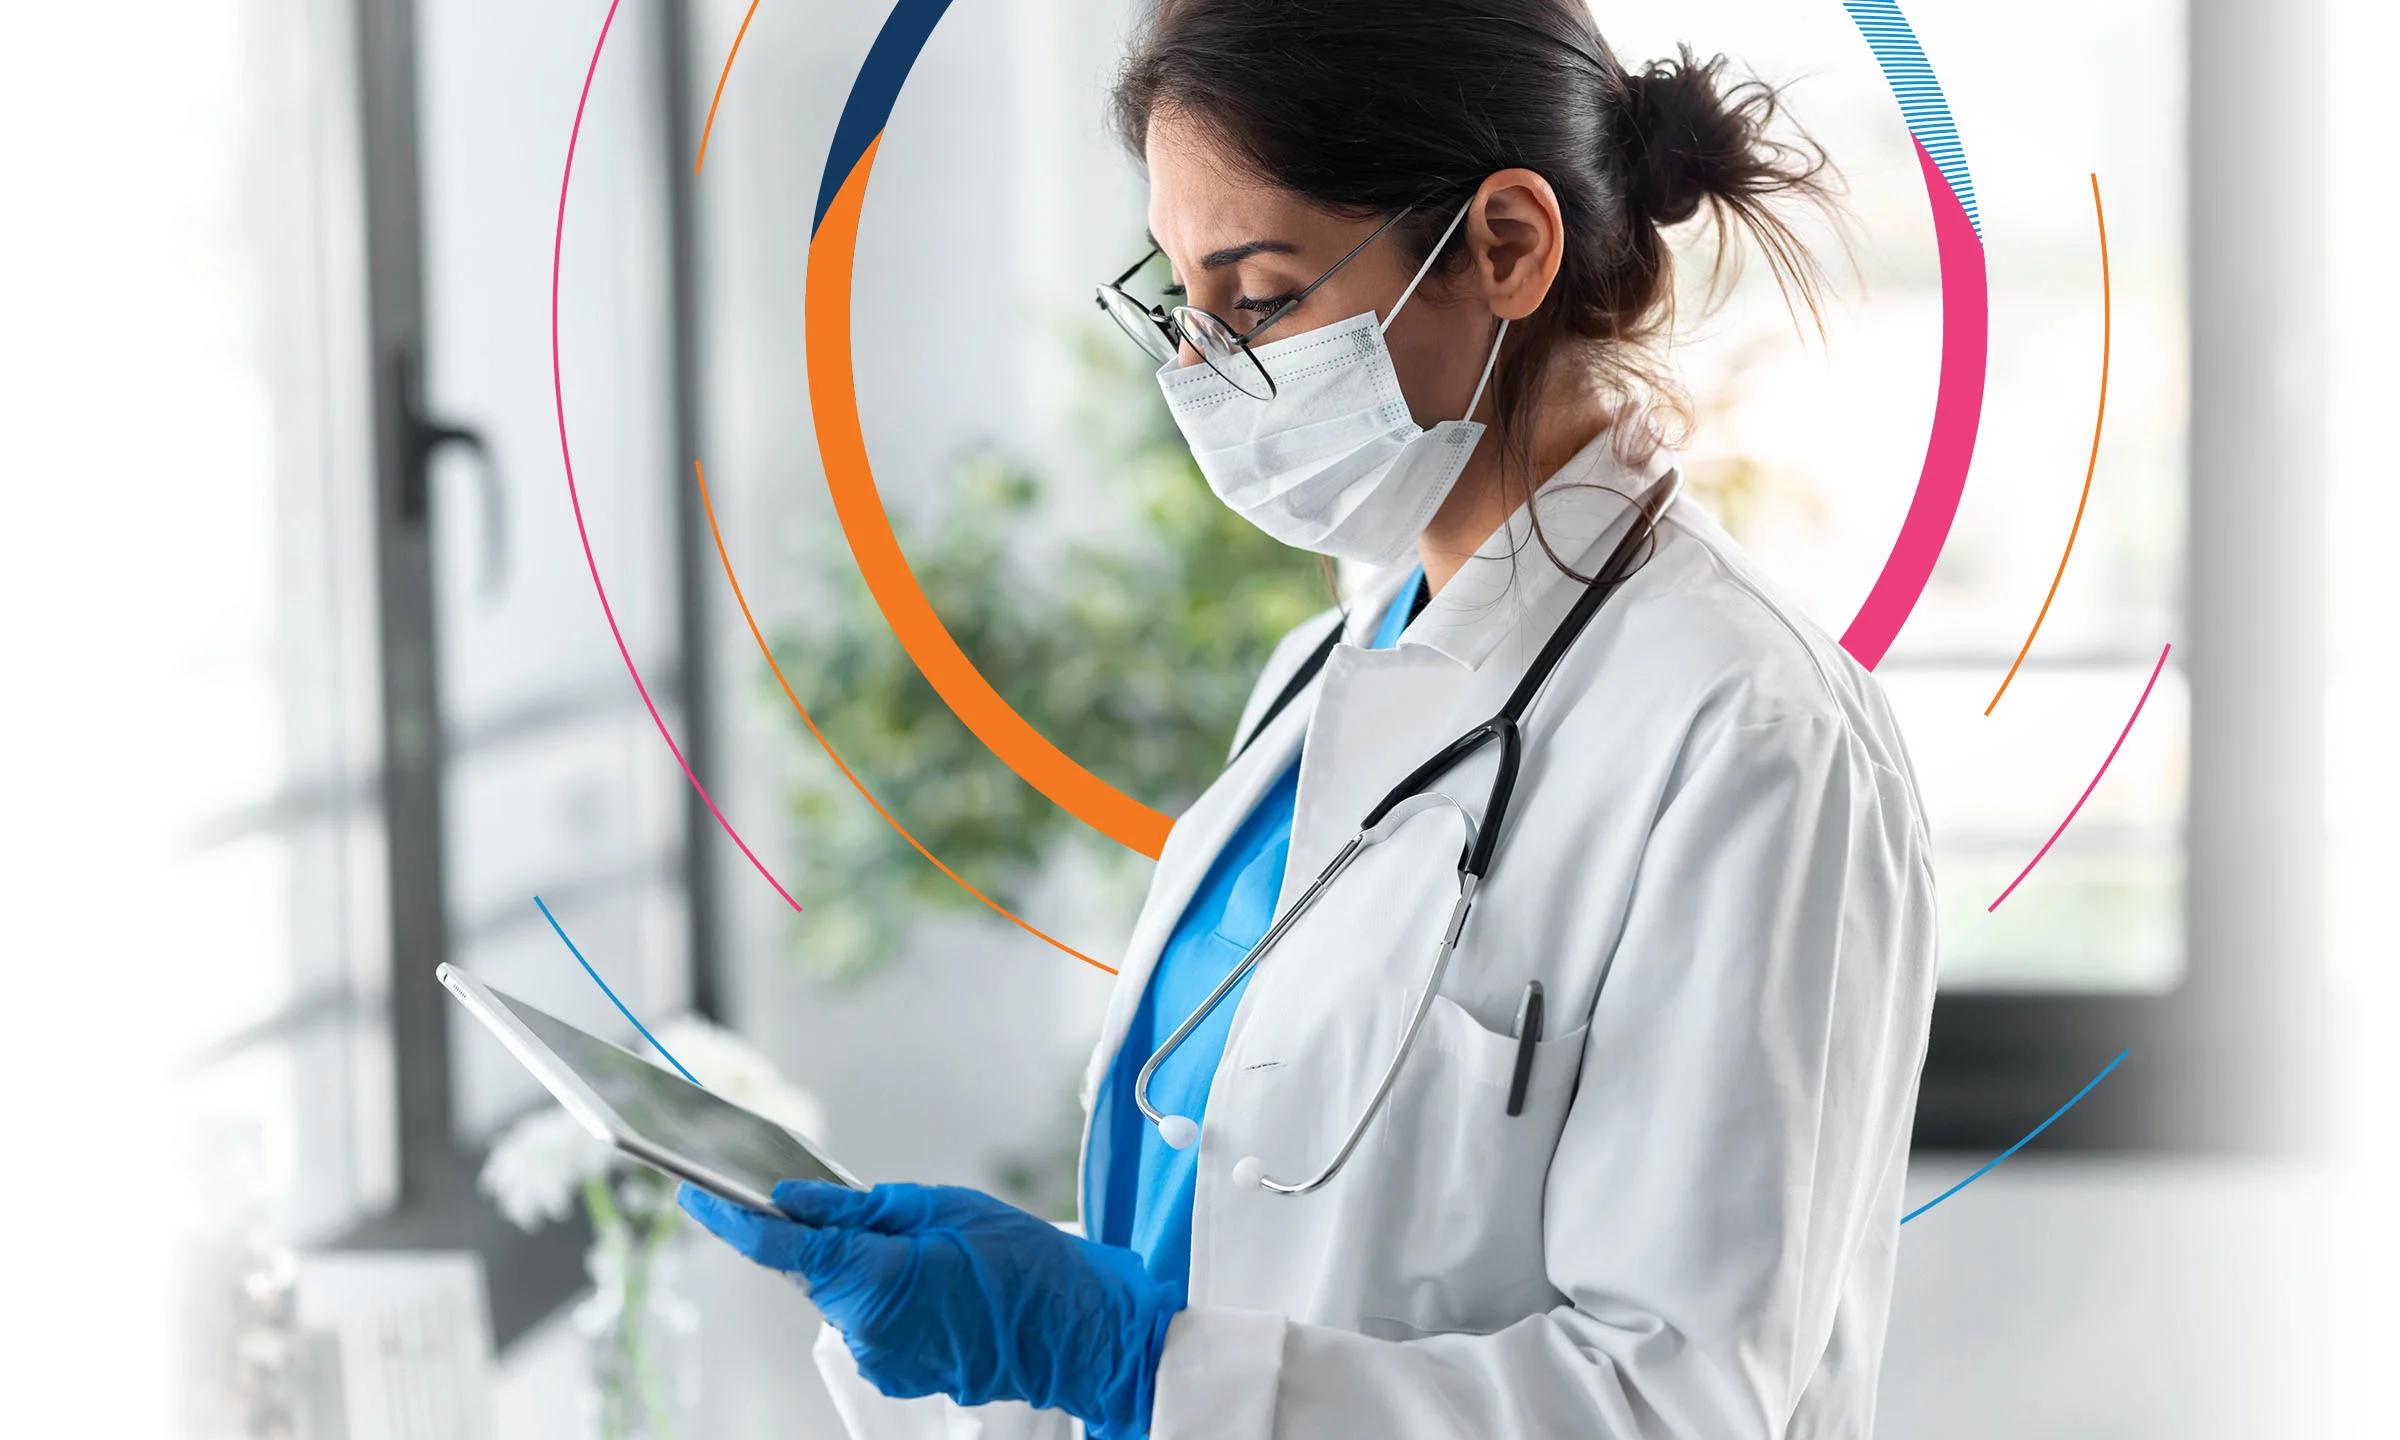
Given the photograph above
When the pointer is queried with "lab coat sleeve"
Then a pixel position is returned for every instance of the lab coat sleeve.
(1748, 1081)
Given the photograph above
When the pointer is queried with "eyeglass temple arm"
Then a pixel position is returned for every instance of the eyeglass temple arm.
(1288, 306)
(1136, 266)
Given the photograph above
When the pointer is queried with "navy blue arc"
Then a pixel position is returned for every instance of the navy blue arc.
(874, 92)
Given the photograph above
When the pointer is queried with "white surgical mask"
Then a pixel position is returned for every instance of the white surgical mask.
(1333, 463)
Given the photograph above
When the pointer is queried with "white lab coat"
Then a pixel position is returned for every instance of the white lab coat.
(1716, 864)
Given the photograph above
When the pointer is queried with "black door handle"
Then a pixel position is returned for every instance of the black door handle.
(422, 436)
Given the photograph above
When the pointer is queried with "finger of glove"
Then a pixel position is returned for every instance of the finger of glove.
(814, 1202)
(870, 1287)
(770, 1240)
(885, 1209)
(832, 1259)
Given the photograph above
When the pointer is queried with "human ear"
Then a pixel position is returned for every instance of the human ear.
(1516, 235)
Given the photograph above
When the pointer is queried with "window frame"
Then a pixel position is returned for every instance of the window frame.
(528, 1276)
(2226, 1061)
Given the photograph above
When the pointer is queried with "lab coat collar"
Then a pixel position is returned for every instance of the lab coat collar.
(1507, 578)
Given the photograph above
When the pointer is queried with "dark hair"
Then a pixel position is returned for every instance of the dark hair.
(1368, 106)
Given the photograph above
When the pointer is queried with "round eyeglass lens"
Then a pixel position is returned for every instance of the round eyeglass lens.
(1224, 352)
(1138, 323)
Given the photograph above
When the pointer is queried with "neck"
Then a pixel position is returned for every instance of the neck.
(1492, 486)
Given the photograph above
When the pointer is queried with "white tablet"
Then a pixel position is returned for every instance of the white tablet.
(649, 1113)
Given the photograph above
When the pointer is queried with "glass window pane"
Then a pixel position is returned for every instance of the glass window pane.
(2102, 908)
(275, 978)
(1810, 451)
(557, 783)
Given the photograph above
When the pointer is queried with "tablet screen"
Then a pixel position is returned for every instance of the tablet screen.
(674, 1115)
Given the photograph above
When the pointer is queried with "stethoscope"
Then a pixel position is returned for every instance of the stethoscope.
(1411, 797)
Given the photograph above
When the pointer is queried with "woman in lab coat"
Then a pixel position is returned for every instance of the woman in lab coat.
(1672, 1209)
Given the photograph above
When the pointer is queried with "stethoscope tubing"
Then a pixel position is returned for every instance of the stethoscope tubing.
(1141, 1082)
(1402, 802)
(1408, 1040)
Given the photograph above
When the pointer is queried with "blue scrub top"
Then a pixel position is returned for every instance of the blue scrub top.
(1147, 1203)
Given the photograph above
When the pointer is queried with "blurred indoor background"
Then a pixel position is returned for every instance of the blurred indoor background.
(309, 688)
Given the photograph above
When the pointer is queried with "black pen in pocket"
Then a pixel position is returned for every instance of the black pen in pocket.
(1529, 1034)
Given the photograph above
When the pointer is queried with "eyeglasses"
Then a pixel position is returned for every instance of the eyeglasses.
(1162, 332)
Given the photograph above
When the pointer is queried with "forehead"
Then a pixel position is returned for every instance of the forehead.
(1205, 197)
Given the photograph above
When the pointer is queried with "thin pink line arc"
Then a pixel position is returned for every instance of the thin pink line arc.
(558, 392)
(2155, 671)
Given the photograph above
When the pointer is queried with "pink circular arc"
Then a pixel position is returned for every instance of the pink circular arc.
(558, 393)
(1958, 410)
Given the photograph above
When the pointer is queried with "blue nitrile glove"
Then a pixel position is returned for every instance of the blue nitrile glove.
(945, 1290)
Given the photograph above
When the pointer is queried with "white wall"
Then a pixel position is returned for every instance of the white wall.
(2114, 1300)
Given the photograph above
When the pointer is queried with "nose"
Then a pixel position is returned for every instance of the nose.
(1186, 353)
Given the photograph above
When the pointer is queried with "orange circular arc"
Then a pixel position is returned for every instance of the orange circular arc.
(727, 561)
(2106, 324)
(833, 398)
(721, 74)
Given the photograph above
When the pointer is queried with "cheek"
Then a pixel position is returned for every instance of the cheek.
(1438, 356)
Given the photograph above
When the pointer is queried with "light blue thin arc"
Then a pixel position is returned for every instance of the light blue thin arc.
(612, 995)
(1919, 93)
(2013, 1149)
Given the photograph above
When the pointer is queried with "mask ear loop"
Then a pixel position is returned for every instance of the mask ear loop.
(1486, 378)
(1424, 269)
(1427, 268)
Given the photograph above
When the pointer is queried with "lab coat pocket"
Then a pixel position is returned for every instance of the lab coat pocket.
(1471, 1227)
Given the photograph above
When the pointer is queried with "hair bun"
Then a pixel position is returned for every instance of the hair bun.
(1683, 144)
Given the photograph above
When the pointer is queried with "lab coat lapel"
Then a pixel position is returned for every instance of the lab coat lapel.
(1192, 846)
(1380, 714)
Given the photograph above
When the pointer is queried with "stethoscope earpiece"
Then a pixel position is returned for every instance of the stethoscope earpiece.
(1248, 1171)
(1178, 1131)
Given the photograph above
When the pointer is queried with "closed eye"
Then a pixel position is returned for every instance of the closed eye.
(1262, 304)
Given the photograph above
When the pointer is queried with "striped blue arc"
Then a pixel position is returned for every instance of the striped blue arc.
(1920, 95)
(911, 23)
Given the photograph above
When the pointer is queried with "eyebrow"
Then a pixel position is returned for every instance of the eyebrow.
(1236, 254)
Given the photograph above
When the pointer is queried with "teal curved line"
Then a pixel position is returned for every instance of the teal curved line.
(1920, 95)
(1994, 1162)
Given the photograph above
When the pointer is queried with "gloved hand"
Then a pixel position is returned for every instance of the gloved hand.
(940, 1289)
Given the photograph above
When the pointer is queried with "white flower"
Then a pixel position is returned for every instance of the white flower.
(733, 1069)
(536, 1173)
